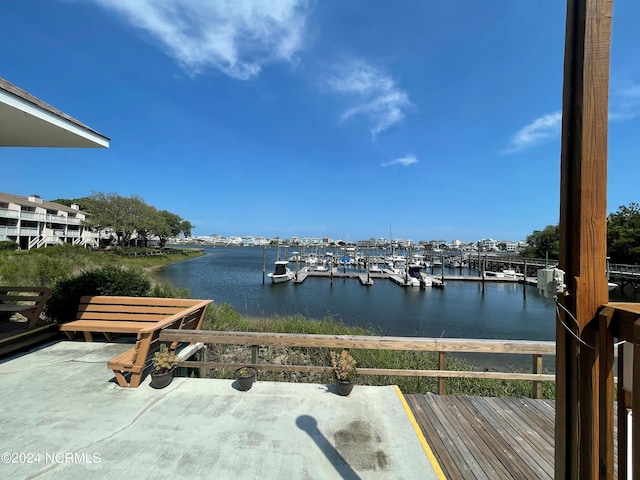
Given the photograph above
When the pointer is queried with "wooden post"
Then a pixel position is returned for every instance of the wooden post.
(583, 194)
(442, 365)
(264, 262)
(537, 368)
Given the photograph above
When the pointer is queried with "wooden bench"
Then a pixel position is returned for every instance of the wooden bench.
(27, 301)
(145, 317)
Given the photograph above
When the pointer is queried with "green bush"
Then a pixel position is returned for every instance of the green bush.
(8, 245)
(65, 295)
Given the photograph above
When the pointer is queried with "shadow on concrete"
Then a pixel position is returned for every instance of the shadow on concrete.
(309, 425)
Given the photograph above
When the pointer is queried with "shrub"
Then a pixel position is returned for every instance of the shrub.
(8, 245)
(65, 295)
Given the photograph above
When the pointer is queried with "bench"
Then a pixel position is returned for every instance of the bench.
(145, 317)
(27, 301)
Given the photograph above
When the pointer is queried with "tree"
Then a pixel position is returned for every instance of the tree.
(168, 225)
(124, 215)
(543, 242)
(623, 234)
(129, 215)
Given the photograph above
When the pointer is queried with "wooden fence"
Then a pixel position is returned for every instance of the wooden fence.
(439, 345)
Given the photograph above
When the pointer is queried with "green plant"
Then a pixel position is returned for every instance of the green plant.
(245, 372)
(164, 360)
(344, 366)
(8, 245)
(65, 295)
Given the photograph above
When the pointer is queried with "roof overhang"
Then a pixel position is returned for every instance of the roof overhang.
(26, 121)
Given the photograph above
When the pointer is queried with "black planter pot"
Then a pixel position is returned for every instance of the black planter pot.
(245, 382)
(161, 380)
(344, 387)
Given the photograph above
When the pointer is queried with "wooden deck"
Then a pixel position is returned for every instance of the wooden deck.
(488, 437)
(491, 437)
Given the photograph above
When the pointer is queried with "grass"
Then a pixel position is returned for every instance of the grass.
(223, 317)
(43, 267)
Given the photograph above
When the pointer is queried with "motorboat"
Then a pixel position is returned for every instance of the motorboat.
(414, 276)
(282, 272)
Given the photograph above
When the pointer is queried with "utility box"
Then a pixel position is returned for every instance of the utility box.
(550, 282)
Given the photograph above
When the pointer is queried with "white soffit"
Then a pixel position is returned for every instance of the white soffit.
(24, 123)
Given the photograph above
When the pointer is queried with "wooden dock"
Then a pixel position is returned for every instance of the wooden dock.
(488, 437)
(437, 280)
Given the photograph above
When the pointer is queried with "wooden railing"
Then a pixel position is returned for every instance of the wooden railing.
(621, 321)
(440, 345)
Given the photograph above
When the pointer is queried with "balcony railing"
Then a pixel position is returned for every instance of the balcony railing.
(8, 231)
(28, 231)
(6, 213)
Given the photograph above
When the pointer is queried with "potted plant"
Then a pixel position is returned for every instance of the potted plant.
(245, 376)
(344, 371)
(164, 364)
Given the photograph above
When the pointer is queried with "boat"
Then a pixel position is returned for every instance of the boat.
(414, 276)
(282, 272)
(311, 261)
(295, 257)
(511, 273)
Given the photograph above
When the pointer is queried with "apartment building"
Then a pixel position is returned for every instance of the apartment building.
(34, 223)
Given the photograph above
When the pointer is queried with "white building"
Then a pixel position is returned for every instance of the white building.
(489, 245)
(33, 223)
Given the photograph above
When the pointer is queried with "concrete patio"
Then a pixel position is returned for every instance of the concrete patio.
(64, 416)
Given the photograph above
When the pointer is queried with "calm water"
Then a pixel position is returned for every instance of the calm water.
(233, 275)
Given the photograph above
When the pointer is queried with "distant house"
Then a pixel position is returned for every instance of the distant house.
(489, 245)
(33, 223)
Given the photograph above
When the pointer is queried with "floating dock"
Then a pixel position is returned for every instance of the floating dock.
(437, 281)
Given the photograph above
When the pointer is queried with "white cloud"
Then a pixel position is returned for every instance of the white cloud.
(377, 96)
(237, 37)
(540, 130)
(624, 103)
(405, 161)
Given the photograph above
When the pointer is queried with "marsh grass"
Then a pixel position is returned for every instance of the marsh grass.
(43, 267)
(222, 317)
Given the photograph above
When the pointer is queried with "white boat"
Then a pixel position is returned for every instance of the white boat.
(414, 276)
(295, 257)
(311, 261)
(282, 272)
(511, 273)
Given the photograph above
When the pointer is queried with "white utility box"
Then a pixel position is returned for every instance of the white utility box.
(550, 282)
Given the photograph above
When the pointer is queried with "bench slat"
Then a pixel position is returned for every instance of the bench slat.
(149, 301)
(97, 326)
(121, 316)
(158, 310)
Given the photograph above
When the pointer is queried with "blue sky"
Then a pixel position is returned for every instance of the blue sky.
(437, 120)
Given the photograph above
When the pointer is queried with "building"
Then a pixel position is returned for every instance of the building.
(32, 222)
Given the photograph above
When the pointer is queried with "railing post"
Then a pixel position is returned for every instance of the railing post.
(442, 365)
(202, 356)
(254, 354)
(537, 368)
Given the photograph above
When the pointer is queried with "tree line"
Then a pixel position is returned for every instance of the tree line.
(623, 237)
(126, 216)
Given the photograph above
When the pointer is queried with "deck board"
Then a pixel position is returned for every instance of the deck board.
(490, 437)
(482, 437)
